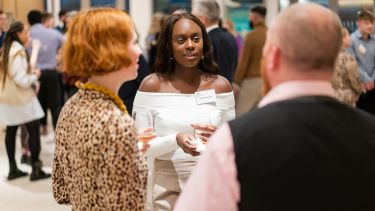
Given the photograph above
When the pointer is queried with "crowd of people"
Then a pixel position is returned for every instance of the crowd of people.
(205, 120)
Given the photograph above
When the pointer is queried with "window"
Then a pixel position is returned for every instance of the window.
(70, 5)
(321, 2)
(168, 6)
(110, 3)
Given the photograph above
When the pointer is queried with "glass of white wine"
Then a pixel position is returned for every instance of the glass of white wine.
(201, 120)
(145, 127)
(200, 134)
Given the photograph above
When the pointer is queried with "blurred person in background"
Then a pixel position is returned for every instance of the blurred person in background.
(20, 106)
(301, 149)
(184, 74)
(152, 37)
(129, 89)
(97, 164)
(247, 80)
(69, 17)
(223, 42)
(363, 49)
(345, 79)
(51, 80)
(61, 26)
(228, 25)
(47, 20)
(69, 88)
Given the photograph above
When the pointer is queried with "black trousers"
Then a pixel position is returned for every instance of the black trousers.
(367, 102)
(34, 141)
(50, 95)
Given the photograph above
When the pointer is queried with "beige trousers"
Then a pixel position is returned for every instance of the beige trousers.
(169, 179)
(250, 93)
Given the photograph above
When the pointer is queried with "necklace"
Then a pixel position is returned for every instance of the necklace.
(105, 91)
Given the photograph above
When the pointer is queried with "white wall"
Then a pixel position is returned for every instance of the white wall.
(120, 4)
(272, 10)
(55, 9)
(85, 4)
(141, 12)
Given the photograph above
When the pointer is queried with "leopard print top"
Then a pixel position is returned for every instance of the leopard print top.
(97, 165)
(345, 79)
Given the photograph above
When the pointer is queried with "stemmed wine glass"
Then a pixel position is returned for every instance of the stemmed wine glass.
(201, 120)
(145, 127)
(200, 134)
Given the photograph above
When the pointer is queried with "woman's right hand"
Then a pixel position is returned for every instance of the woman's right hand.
(206, 130)
(185, 141)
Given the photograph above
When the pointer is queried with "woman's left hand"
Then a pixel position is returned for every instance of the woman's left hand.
(144, 136)
(207, 131)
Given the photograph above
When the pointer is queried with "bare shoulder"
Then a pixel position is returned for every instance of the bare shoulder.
(220, 84)
(151, 83)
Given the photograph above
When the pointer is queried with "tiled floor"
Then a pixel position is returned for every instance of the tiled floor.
(21, 194)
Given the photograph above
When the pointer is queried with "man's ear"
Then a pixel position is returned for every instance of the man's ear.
(274, 58)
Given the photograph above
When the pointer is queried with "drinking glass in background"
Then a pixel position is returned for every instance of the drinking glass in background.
(145, 127)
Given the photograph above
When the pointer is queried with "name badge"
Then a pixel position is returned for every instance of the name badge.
(361, 49)
(203, 97)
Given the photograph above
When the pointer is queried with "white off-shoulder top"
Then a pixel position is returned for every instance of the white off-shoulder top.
(174, 112)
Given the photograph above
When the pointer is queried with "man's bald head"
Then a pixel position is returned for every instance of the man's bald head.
(309, 36)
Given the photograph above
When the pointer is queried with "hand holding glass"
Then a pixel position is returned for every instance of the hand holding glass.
(200, 131)
(145, 127)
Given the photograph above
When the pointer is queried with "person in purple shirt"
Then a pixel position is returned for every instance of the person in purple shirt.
(51, 80)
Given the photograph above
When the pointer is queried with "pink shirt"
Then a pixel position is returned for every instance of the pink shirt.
(213, 184)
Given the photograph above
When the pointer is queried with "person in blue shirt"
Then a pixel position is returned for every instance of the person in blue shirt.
(363, 49)
(51, 80)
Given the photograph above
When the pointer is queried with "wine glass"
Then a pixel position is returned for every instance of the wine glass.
(145, 126)
(201, 120)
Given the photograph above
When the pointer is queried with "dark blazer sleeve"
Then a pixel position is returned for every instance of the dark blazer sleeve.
(225, 52)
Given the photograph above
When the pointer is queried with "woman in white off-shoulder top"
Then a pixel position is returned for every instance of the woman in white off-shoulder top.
(184, 89)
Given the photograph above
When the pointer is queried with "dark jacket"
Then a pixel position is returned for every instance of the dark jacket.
(129, 89)
(251, 56)
(308, 153)
(225, 52)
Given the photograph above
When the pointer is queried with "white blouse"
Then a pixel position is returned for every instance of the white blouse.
(174, 112)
